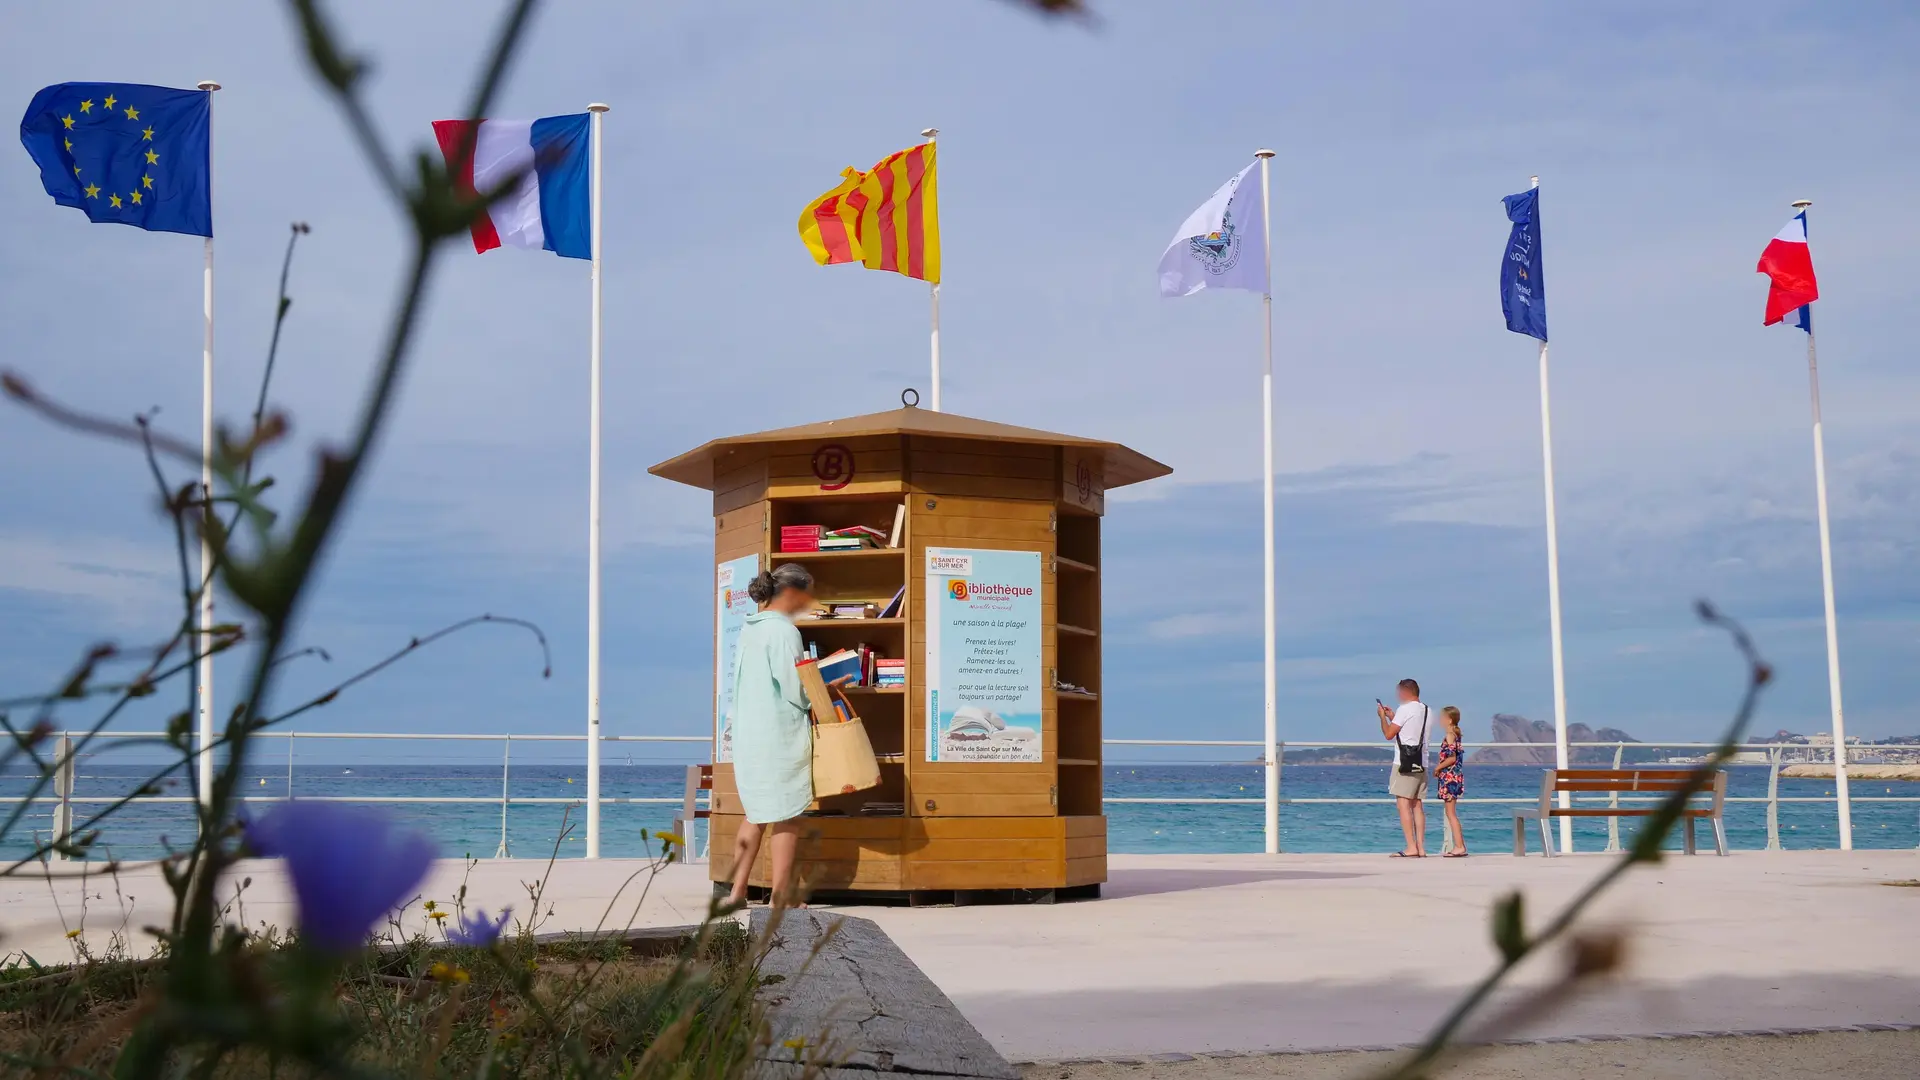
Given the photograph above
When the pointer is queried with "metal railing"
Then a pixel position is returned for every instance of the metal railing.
(65, 797)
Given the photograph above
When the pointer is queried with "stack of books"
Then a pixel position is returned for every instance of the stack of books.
(800, 537)
(852, 538)
(853, 611)
(889, 673)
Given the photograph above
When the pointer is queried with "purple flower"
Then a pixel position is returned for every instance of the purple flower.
(350, 866)
(478, 930)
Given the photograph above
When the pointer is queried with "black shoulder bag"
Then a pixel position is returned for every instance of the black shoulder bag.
(1413, 759)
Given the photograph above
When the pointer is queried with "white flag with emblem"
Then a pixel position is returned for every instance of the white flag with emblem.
(1222, 245)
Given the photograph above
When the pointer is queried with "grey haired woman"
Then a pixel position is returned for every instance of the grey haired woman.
(772, 732)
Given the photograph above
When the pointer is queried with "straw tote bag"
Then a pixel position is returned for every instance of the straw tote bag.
(843, 760)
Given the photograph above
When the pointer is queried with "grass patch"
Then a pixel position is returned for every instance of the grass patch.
(525, 1007)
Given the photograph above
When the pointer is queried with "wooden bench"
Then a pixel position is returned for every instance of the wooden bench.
(1657, 782)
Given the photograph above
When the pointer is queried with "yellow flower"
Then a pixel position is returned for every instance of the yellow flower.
(796, 1043)
(441, 972)
(671, 838)
(429, 905)
(436, 916)
(71, 934)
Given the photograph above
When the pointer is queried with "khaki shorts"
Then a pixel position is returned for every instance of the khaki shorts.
(1403, 786)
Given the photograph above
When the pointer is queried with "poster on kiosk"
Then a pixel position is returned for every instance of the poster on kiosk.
(983, 655)
(731, 606)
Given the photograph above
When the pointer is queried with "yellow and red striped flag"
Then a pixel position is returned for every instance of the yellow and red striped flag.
(886, 218)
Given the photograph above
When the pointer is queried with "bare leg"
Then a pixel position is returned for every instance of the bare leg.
(786, 844)
(1406, 825)
(1453, 825)
(746, 848)
(1419, 826)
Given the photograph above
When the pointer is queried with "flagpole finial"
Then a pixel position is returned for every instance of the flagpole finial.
(1535, 181)
(207, 84)
(1263, 152)
(929, 133)
(599, 106)
(1802, 204)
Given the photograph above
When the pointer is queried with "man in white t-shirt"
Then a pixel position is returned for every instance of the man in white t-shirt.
(1406, 726)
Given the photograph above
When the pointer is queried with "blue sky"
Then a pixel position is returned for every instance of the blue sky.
(1669, 139)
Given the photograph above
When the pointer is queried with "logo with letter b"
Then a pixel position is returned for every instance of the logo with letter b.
(957, 588)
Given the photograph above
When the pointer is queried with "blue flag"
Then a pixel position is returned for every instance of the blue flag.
(125, 153)
(1523, 286)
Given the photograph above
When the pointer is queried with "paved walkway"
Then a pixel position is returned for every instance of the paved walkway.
(1189, 954)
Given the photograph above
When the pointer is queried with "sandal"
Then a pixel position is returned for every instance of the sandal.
(1405, 855)
(1456, 855)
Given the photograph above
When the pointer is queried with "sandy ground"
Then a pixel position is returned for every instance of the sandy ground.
(1877, 1055)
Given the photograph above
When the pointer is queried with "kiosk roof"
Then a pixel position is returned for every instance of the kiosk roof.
(1123, 466)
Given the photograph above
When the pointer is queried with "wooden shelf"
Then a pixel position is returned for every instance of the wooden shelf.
(1078, 761)
(860, 553)
(874, 689)
(806, 624)
(1064, 628)
(1076, 695)
(891, 759)
(1075, 564)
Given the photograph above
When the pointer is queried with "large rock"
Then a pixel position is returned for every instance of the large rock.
(1510, 728)
(844, 989)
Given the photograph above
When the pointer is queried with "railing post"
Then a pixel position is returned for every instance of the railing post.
(1279, 764)
(1613, 803)
(291, 735)
(63, 787)
(506, 765)
(1773, 800)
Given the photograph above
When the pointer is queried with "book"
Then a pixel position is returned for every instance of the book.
(858, 532)
(899, 525)
(892, 609)
(800, 537)
(840, 664)
(853, 611)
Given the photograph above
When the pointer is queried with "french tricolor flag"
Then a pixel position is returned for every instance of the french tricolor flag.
(1788, 262)
(551, 208)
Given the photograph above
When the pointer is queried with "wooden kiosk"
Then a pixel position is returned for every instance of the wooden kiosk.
(1000, 541)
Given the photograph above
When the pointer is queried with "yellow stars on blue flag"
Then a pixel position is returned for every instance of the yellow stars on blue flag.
(110, 162)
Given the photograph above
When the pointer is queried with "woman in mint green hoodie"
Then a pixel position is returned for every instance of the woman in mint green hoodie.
(772, 729)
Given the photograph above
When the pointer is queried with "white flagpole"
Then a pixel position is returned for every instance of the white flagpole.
(1560, 754)
(598, 111)
(204, 639)
(930, 134)
(1826, 581)
(1266, 457)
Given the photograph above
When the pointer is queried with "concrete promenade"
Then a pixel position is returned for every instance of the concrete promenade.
(1191, 954)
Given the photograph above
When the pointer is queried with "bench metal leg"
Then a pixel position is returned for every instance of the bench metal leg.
(1687, 833)
(1719, 837)
(1519, 836)
(1546, 837)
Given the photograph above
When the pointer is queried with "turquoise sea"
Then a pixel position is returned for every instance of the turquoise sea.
(532, 830)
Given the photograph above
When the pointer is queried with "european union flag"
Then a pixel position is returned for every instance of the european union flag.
(125, 153)
(1523, 280)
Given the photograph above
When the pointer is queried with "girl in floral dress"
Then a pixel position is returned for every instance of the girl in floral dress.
(1452, 780)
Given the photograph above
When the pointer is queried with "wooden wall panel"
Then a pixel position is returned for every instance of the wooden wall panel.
(842, 853)
(1088, 871)
(985, 874)
(792, 468)
(973, 788)
(739, 485)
